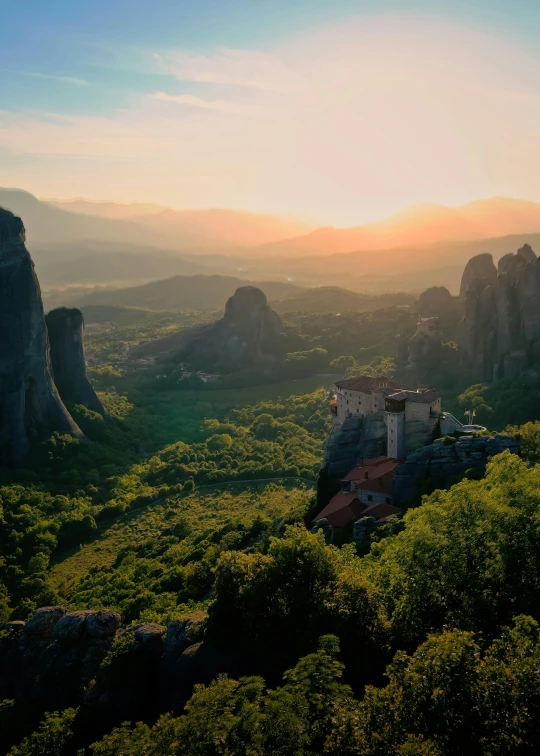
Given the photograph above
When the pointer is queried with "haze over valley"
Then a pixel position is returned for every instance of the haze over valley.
(270, 378)
(81, 245)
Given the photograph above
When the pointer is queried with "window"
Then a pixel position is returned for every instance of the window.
(370, 497)
(387, 500)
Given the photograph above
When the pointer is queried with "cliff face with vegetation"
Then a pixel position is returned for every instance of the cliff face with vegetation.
(29, 400)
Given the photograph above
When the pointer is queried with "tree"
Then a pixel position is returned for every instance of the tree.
(52, 738)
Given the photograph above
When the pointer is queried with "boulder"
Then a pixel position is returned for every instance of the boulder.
(362, 529)
(71, 626)
(102, 624)
(148, 636)
(29, 400)
(326, 528)
(43, 621)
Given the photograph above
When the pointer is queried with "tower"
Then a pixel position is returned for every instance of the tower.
(395, 430)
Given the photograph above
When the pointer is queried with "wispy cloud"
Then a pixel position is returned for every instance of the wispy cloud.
(348, 122)
(244, 68)
(222, 106)
(53, 77)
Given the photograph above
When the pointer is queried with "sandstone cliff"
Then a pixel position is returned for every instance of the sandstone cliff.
(500, 329)
(29, 401)
(66, 338)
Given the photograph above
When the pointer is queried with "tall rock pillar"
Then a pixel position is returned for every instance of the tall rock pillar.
(29, 401)
(66, 337)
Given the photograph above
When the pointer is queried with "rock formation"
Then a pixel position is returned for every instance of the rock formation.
(66, 339)
(56, 660)
(500, 329)
(479, 269)
(435, 302)
(440, 463)
(29, 401)
(358, 436)
(426, 339)
(248, 334)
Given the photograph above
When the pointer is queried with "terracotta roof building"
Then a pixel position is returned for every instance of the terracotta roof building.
(367, 492)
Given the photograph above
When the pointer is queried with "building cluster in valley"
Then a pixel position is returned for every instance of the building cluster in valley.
(407, 418)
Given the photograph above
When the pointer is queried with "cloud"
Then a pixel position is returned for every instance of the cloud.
(348, 122)
(65, 79)
(244, 68)
(221, 106)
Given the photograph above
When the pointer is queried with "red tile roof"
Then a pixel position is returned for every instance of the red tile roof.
(425, 396)
(374, 468)
(366, 384)
(380, 484)
(342, 508)
(378, 511)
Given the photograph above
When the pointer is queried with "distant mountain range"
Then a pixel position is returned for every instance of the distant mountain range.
(94, 243)
(417, 226)
(212, 229)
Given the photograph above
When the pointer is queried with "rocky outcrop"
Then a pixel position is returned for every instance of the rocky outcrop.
(58, 659)
(479, 270)
(425, 340)
(440, 462)
(357, 437)
(50, 660)
(435, 302)
(500, 329)
(29, 401)
(66, 339)
(527, 253)
(249, 334)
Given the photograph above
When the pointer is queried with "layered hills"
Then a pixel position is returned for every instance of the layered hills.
(211, 292)
(420, 225)
(87, 243)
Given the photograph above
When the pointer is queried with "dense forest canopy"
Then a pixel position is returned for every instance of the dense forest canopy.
(194, 506)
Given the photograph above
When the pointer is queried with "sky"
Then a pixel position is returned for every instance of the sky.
(336, 112)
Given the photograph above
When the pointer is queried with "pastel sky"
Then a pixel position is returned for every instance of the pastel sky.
(333, 111)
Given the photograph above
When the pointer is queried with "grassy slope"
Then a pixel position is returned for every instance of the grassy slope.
(87, 577)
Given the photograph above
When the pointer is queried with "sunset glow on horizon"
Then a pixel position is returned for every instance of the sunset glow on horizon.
(336, 121)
